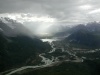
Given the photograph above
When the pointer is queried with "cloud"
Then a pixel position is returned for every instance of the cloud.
(95, 11)
(64, 11)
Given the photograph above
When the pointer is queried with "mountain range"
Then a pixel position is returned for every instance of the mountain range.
(84, 36)
(19, 47)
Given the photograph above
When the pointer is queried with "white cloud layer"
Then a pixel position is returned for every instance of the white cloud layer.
(51, 12)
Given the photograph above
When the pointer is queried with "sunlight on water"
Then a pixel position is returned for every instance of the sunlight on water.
(48, 40)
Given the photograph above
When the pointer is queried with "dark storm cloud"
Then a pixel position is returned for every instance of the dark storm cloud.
(65, 11)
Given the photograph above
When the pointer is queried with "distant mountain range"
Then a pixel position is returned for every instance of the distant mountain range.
(85, 36)
(91, 27)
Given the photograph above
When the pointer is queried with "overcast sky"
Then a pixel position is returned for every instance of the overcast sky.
(59, 11)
